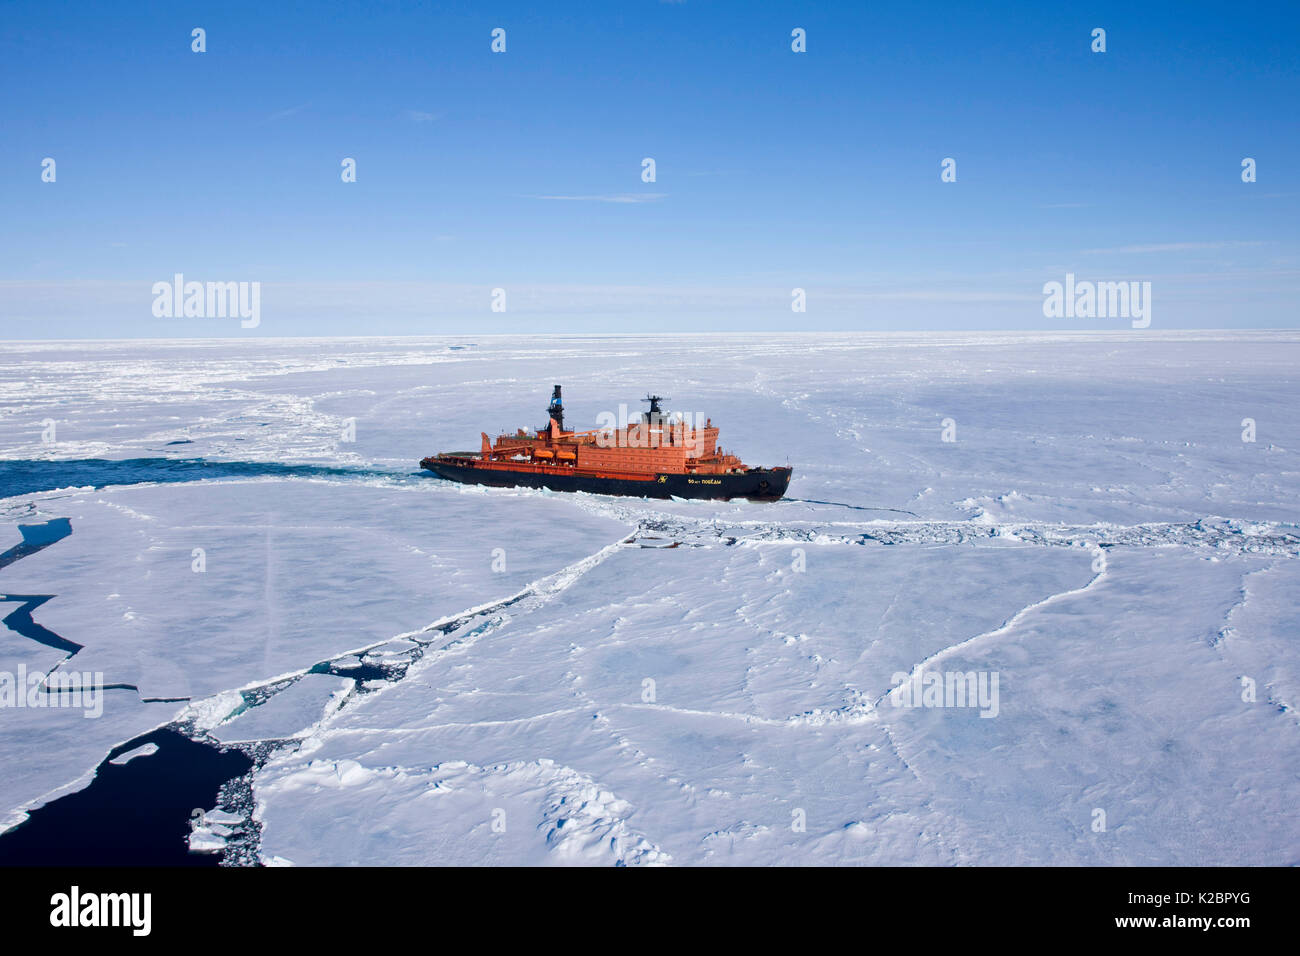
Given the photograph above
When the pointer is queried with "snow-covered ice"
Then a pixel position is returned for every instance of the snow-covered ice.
(467, 676)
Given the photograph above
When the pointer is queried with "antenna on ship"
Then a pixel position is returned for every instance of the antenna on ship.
(556, 409)
(654, 401)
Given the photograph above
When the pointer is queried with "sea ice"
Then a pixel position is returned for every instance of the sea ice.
(523, 677)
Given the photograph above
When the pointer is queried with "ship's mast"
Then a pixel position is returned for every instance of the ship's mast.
(654, 414)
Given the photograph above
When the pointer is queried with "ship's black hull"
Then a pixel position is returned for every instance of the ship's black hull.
(756, 484)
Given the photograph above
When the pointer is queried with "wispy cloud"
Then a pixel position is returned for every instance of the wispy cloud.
(611, 197)
(420, 116)
(282, 114)
(1167, 247)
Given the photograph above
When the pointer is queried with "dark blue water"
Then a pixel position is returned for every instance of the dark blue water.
(26, 477)
(134, 814)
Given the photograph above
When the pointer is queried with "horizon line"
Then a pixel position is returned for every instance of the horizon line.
(1127, 332)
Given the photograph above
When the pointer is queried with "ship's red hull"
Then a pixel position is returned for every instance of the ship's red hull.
(756, 484)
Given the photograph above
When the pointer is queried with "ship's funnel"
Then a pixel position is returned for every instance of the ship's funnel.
(555, 410)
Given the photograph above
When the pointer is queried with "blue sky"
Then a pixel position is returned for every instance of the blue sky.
(522, 170)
